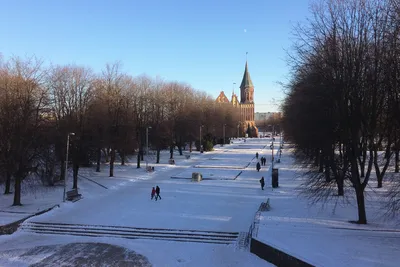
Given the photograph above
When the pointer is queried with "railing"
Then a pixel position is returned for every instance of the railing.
(253, 229)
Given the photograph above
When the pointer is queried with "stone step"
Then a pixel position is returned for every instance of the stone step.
(131, 232)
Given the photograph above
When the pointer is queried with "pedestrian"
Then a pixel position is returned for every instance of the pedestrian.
(153, 193)
(158, 193)
(262, 161)
(262, 182)
(265, 160)
(257, 155)
(258, 166)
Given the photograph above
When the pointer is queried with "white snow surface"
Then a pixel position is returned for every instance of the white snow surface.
(320, 236)
(210, 205)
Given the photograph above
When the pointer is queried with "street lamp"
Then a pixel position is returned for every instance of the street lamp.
(66, 165)
(201, 126)
(147, 144)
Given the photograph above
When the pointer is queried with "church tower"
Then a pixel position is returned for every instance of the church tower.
(247, 98)
(246, 88)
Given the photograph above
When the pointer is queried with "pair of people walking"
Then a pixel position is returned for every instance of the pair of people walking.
(263, 161)
(155, 193)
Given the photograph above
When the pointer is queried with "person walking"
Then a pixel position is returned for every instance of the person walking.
(153, 193)
(262, 182)
(257, 155)
(158, 193)
(258, 166)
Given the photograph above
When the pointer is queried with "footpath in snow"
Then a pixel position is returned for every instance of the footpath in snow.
(222, 205)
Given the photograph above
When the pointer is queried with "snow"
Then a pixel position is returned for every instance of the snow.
(321, 234)
(225, 202)
(209, 205)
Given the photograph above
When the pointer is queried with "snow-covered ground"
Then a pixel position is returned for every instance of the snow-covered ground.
(225, 203)
(321, 234)
(210, 205)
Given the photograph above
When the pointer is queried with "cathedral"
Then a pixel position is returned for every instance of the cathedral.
(245, 105)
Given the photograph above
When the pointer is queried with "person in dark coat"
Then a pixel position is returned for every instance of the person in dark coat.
(157, 193)
(153, 192)
(258, 166)
(262, 182)
(257, 155)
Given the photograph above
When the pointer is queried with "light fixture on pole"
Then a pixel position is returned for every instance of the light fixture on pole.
(147, 144)
(66, 165)
(201, 145)
(223, 133)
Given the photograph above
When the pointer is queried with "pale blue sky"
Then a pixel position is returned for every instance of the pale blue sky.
(201, 42)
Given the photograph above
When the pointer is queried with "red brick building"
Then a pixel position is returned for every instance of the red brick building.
(246, 103)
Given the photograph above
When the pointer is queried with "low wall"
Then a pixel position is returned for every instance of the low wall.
(275, 256)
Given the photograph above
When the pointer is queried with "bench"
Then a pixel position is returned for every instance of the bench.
(171, 161)
(149, 169)
(73, 195)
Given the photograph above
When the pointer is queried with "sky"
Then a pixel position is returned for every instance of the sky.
(199, 42)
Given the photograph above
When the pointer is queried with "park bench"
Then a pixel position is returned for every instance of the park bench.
(171, 161)
(73, 195)
(149, 169)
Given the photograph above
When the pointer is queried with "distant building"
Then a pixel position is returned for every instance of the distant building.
(246, 104)
(263, 116)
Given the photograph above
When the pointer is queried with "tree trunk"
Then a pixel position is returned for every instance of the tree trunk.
(138, 160)
(362, 216)
(190, 146)
(396, 162)
(158, 155)
(106, 154)
(75, 170)
(316, 161)
(362, 160)
(62, 171)
(112, 160)
(122, 155)
(7, 189)
(321, 163)
(141, 152)
(340, 184)
(17, 191)
(380, 174)
(327, 169)
(171, 152)
(98, 159)
(180, 150)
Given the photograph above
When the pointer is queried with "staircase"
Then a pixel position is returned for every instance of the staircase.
(213, 237)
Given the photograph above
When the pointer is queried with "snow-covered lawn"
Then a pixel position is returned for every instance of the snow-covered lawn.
(321, 236)
(210, 205)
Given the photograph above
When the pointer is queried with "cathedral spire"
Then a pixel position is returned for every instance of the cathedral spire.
(246, 81)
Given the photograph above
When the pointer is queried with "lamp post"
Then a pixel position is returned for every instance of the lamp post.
(66, 165)
(272, 156)
(201, 145)
(147, 145)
